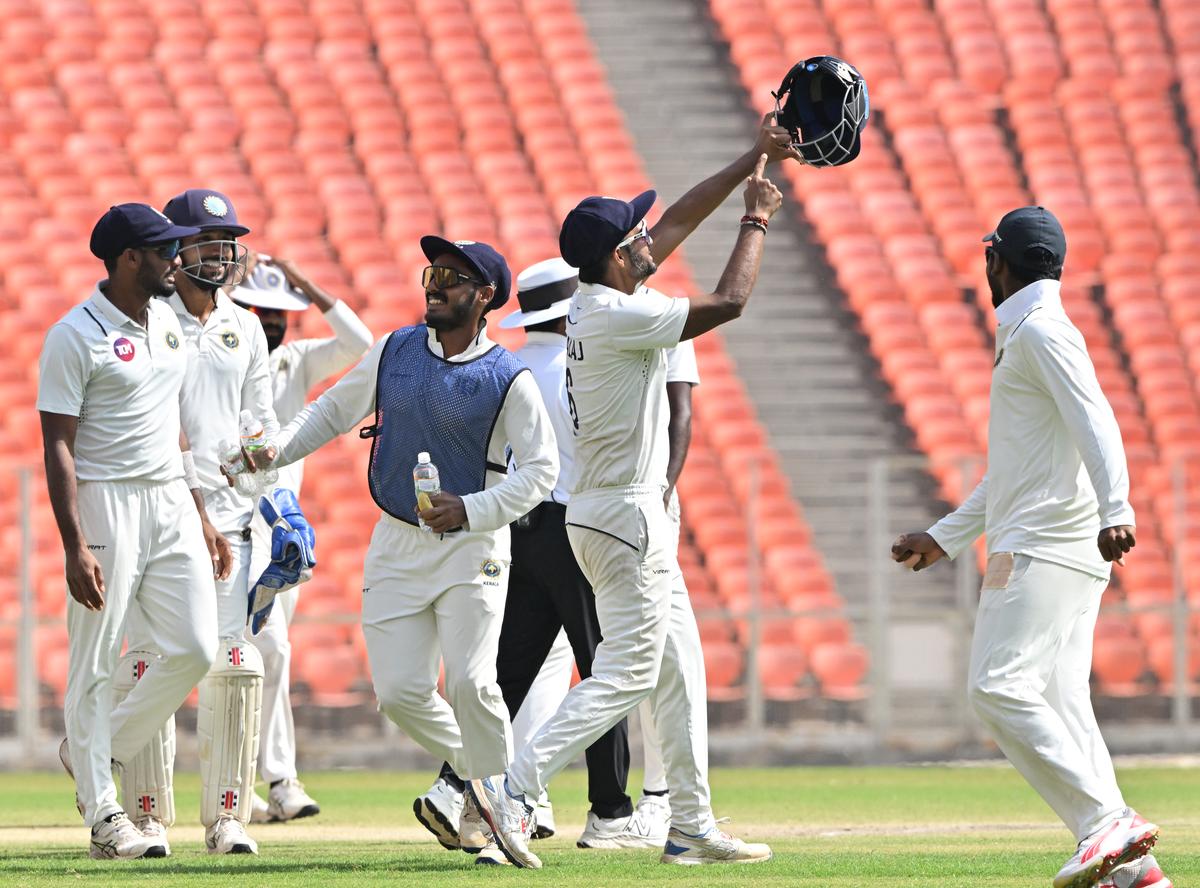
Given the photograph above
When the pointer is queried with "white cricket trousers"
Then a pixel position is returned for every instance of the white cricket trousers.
(623, 542)
(277, 749)
(428, 596)
(150, 547)
(1030, 662)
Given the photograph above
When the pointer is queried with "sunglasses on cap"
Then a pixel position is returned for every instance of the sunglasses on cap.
(642, 232)
(167, 251)
(443, 277)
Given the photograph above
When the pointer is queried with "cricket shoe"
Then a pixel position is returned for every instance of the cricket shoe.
(491, 855)
(228, 836)
(655, 810)
(439, 811)
(713, 846)
(473, 837)
(634, 831)
(1122, 840)
(153, 828)
(64, 756)
(509, 816)
(260, 811)
(543, 815)
(1141, 873)
(116, 838)
(287, 800)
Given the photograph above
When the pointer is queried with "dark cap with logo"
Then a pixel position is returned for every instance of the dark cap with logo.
(1023, 235)
(133, 225)
(204, 208)
(487, 263)
(594, 228)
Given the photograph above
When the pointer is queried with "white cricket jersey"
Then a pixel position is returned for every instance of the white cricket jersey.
(616, 384)
(522, 424)
(297, 366)
(681, 364)
(123, 382)
(545, 354)
(1056, 465)
(227, 373)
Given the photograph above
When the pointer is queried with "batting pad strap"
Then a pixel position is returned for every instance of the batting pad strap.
(189, 471)
(227, 725)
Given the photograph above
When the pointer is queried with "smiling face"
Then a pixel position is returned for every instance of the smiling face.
(458, 305)
(213, 258)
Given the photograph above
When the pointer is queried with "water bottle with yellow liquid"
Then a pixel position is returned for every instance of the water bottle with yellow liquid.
(427, 484)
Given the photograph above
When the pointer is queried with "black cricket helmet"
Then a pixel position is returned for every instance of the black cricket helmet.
(823, 103)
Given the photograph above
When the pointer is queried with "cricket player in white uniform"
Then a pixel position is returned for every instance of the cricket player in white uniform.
(444, 388)
(110, 377)
(227, 374)
(273, 290)
(1054, 505)
(617, 332)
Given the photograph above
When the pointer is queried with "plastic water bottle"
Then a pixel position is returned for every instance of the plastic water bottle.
(251, 436)
(427, 484)
(244, 481)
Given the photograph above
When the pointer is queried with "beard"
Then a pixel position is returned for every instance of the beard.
(997, 292)
(274, 337)
(155, 285)
(460, 313)
(642, 265)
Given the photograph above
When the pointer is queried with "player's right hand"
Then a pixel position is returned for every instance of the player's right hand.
(85, 579)
(260, 459)
(917, 550)
(218, 549)
(762, 197)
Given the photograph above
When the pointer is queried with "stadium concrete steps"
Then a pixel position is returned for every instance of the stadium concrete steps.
(797, 348)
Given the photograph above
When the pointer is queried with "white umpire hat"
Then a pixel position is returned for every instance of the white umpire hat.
(267, 287)
(544, 293)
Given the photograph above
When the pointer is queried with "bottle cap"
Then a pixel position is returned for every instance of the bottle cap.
(423, 457)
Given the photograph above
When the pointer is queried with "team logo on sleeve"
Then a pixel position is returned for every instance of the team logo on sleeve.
(490, 569)
(172, 340)
(123, 349)
(230, 339)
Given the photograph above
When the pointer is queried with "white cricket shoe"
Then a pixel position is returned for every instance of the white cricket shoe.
(1122, 840)
(655, 811)
(543, 814)
(260, 811)
(509, 816)
(153, 828)
(1142, 873)
(472, 831)
(439, 811)
(491, 855)
(713, 846)
(619, 832)
(64, 756)
(287, 800)
(228, 836)
(116, 838)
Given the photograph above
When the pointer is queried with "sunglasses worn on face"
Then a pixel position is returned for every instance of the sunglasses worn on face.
(642, 232)
(442, 277)
(167, 251)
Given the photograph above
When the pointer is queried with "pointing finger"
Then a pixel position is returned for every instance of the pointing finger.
(760, 166)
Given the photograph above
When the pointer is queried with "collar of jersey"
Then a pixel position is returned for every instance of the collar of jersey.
(544, 337)
(111, 313)
(478, 346)
(1045, 293)
(222, 310)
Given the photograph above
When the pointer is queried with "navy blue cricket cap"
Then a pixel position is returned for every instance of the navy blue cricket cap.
(133, 225)
(1026, 229)
(594, 228)
(487, 263)
(204, 208)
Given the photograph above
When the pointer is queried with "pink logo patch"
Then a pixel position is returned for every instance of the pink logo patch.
(123, 349)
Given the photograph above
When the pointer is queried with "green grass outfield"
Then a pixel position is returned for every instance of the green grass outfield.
(845, 827)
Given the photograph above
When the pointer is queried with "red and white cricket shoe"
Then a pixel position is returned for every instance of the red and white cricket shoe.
(1122, 840)
(1143, 873)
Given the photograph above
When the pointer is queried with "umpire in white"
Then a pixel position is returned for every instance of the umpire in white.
(110, 377)
(1054, 505)
(446, 388)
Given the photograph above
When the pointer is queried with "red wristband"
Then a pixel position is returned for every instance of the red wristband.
(755, 220)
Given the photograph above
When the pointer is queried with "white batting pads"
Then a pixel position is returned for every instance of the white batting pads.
(227, 725)
(147, 781)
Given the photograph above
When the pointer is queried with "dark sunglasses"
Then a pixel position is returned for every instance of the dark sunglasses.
(442, 277)
(167, 251)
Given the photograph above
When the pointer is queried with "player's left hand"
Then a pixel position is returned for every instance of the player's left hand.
(775, 141)
(448, 512)
(218, 549)
(1114, 542)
